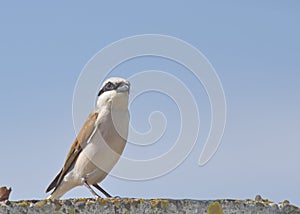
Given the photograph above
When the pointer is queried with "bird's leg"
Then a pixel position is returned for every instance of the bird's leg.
(102, 190)
(85, 183)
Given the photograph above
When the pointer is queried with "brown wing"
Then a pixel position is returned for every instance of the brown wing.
(76, 148)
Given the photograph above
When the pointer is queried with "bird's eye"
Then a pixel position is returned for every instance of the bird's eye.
(109, 86)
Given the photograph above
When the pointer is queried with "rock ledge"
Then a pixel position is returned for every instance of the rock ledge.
(135, 205)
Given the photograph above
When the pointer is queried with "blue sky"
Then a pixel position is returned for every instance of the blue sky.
(253, 46)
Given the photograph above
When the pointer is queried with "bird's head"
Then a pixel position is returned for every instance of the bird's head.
(114, 93)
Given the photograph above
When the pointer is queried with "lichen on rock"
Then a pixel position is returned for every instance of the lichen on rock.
(133, 205)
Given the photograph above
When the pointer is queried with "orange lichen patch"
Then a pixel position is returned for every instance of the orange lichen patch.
(215, 208)
(23, 203)
(159, 203)
(154, 203)
(267, 201)
(103, 201)
(164, 203)
(40, 204)
(128, 201)
(139, 200)
(88, 202)
(116, 201)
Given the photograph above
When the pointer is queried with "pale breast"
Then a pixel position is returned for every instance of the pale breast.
(104, 148)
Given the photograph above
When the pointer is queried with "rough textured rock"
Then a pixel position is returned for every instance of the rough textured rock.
(129, 205)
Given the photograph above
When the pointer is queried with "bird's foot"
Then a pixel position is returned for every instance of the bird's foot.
(85, 183)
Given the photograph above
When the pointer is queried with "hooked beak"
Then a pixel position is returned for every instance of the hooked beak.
(123, 87)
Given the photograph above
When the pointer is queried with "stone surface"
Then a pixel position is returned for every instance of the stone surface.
(131, 205)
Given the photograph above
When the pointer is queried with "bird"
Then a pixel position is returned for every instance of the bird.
(99, 144)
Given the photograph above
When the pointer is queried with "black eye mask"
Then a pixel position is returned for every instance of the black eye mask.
(108, 87)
